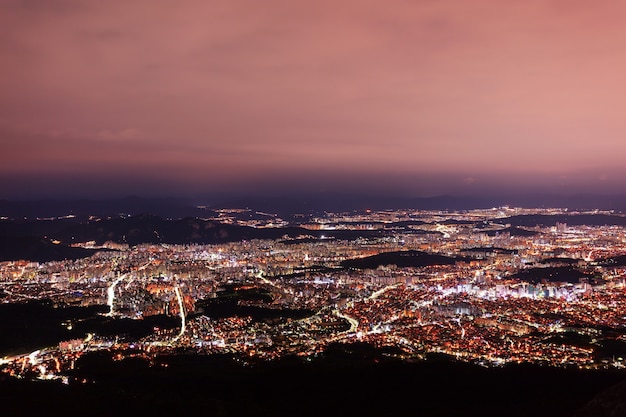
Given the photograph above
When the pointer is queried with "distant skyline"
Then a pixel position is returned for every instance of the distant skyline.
(419, 98)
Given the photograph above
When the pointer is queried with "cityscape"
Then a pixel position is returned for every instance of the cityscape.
(469, 285)
(312, 208)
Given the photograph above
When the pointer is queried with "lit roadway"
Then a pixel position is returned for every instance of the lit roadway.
(354, 323)
(444, 230)
(273, 283)
(181, 308)
(12, 294)
(183, 321)
(111, 289)
(380, 292)
(111, 293)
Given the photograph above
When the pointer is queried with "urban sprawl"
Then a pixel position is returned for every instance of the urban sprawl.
(297, 296)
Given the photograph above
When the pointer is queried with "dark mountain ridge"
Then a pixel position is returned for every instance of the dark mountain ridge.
(166, 207)
(298, 203)
(153, 229)
(23, 240)
(38, 249)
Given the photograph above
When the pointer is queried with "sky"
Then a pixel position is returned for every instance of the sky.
(415, 97)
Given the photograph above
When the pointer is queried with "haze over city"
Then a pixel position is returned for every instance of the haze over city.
(417, 98)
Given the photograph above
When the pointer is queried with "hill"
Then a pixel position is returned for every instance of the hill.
(38, 249)
(551, 274)
(31, 239)
(402, 259)
(346, 380)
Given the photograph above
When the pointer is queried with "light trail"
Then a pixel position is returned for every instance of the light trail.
(111, 289)
(458, 321)
(111, 294)
(444, 230)
(380, 292)
(181, 307)
(33, 357)
(273, 283)
(267, 281)
(354, 323)
(12, 294)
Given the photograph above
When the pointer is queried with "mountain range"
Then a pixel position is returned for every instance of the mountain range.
(286, 205)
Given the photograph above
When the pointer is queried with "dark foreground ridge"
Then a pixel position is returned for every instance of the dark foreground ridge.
(347, 380)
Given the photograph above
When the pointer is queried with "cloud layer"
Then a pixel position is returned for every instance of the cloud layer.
(427, 96)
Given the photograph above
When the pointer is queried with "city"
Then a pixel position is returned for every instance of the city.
(312, 208)
(468, 285)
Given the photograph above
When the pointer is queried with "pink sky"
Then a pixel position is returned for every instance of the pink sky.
(426, 97)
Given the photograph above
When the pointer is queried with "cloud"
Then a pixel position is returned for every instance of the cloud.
(124, 134)
(406, 88)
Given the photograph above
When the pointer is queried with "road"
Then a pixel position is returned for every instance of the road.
(354, 323)
(380, 292)
(181, 308)
(111, 293)
(111, 289)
